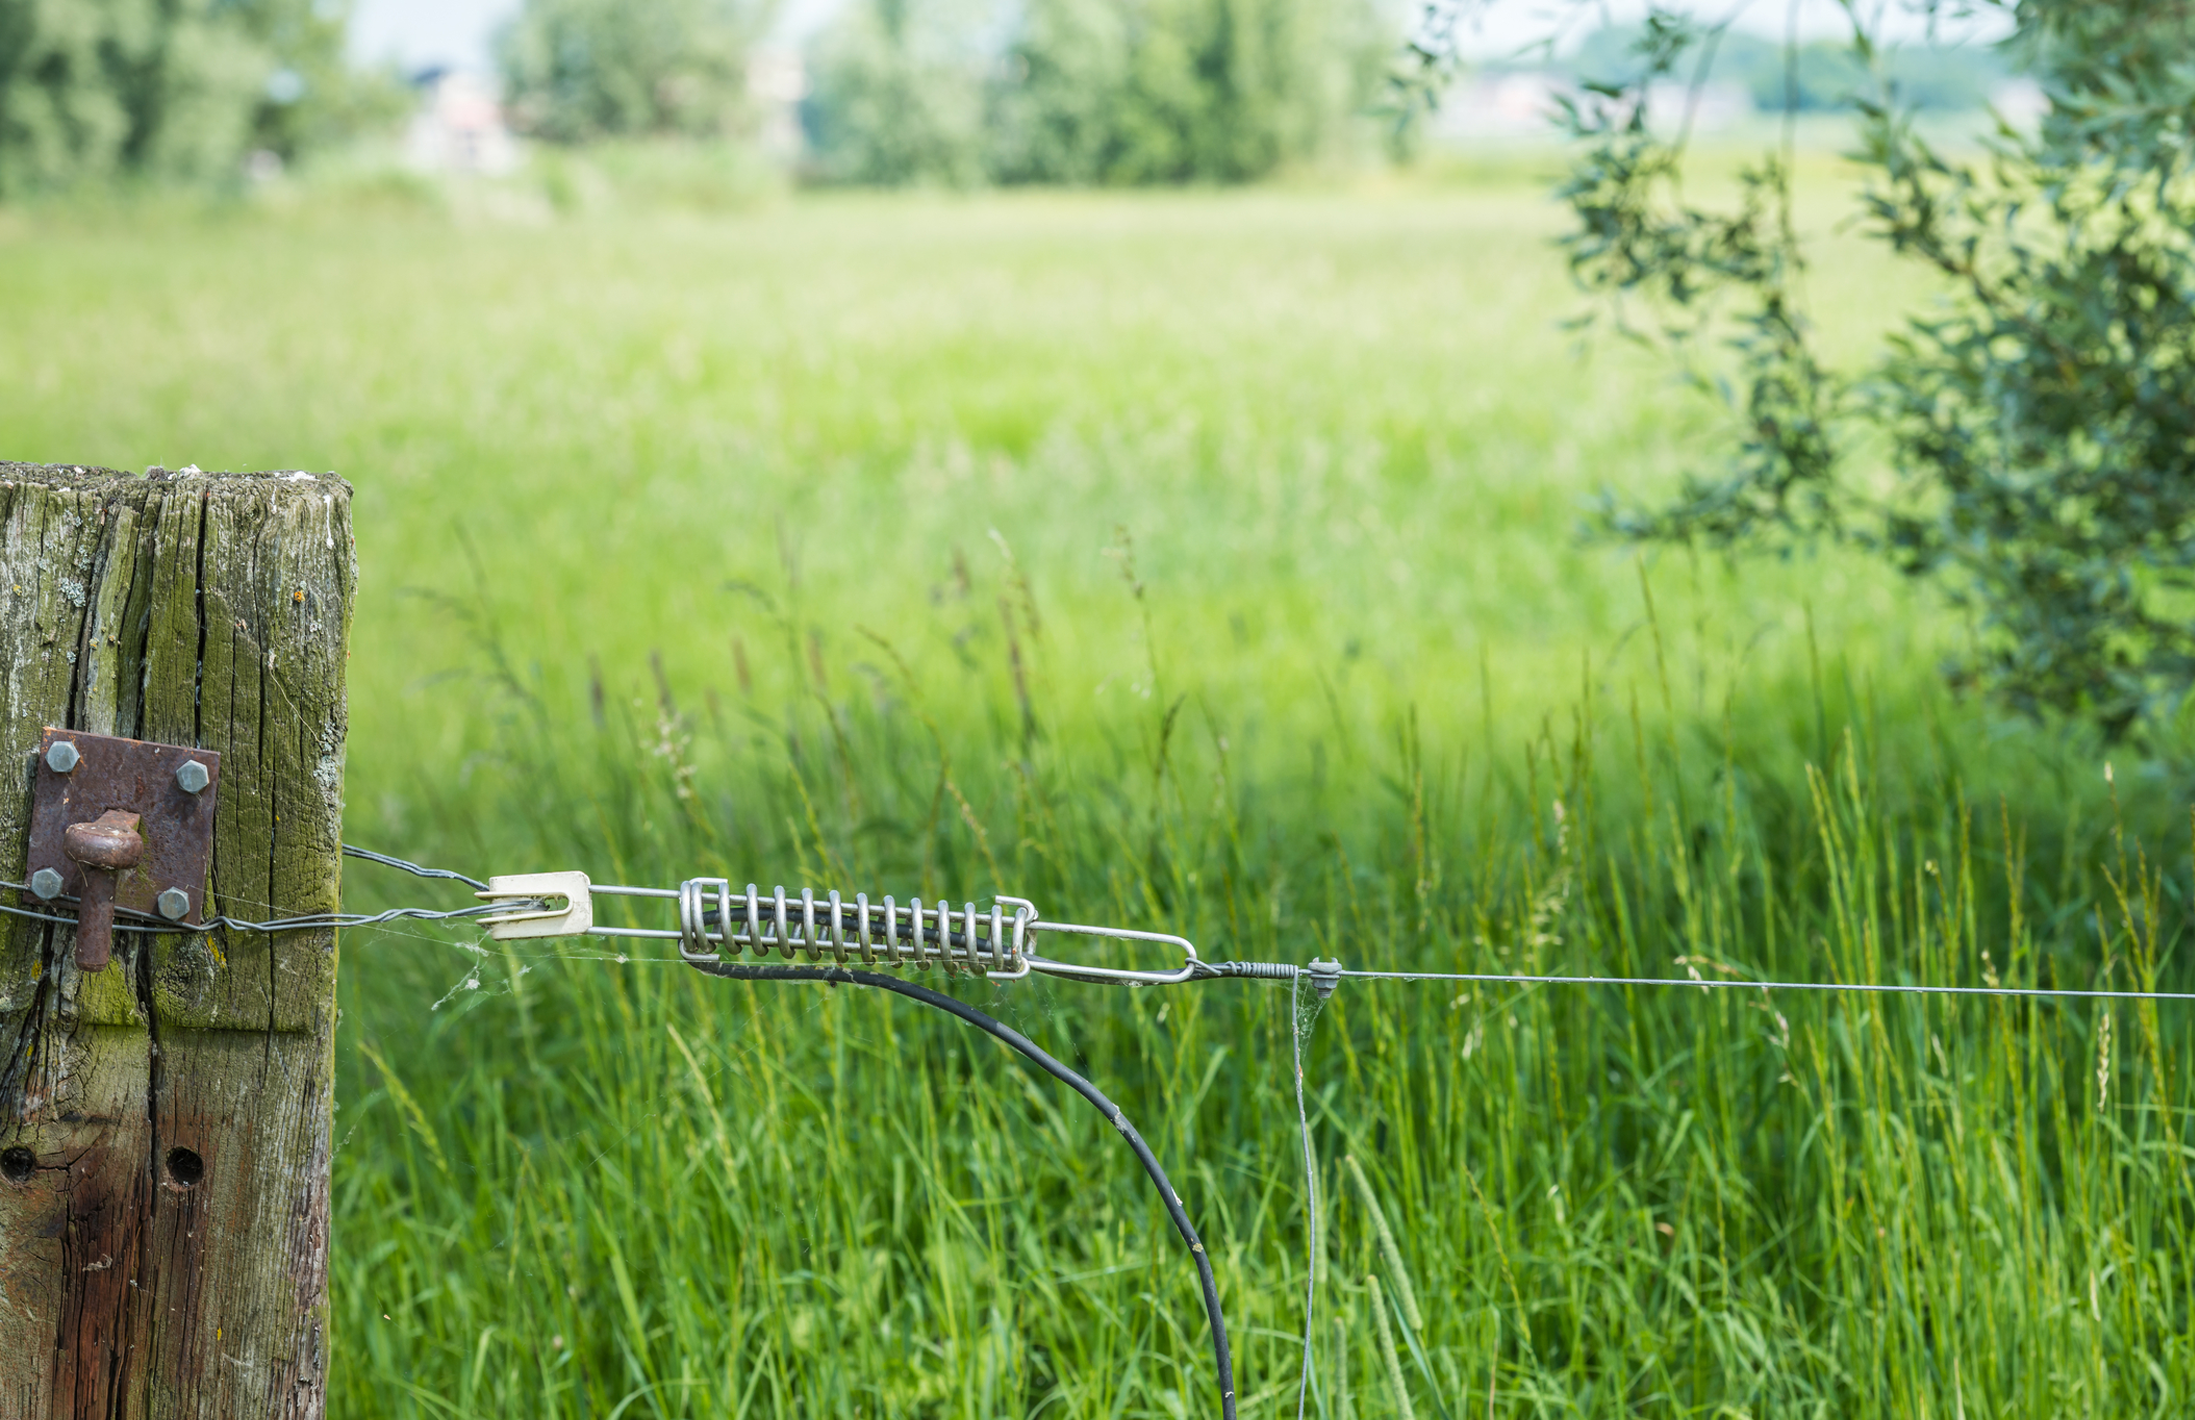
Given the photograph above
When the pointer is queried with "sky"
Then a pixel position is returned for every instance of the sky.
(458, 33)
(419, 33)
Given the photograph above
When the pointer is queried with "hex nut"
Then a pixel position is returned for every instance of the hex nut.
(46, 883)
(174, 904)
(192, 777)
(61, 757)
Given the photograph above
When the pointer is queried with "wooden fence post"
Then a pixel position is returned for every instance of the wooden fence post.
(165, 1123)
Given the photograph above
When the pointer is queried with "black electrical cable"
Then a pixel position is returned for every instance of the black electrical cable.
(738, 971)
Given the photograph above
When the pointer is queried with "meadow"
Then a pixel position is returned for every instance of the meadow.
(1206, 562)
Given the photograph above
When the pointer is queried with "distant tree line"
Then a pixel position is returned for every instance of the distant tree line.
(106, 90)
(1815, 77)
(1091, 91)
(902, 91)
(581, 70)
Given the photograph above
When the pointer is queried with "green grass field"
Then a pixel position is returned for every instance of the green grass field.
(1206, 562)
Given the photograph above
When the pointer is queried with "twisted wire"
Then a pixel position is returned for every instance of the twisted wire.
(353, 851)
(304, 922)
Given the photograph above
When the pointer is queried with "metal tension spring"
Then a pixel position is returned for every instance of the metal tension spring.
(716, 924)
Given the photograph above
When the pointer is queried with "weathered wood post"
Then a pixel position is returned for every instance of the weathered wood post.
(165, 1123)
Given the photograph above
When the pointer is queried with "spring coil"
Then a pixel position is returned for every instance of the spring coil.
(715, 923)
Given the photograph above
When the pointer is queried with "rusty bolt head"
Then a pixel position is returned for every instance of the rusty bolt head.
(61, 756)
(174, 904)
(191, 776)
(46, 883)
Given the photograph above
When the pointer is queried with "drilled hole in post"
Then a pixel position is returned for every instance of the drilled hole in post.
(18, 1164)
(185, 1168)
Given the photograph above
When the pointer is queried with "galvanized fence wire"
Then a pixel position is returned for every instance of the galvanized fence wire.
(943, 915)
(1711, 984)
(819, 930)
(351, 850)
(132, 920)
(936, 942)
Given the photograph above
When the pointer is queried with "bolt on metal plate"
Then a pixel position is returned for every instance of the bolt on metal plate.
(107, 774)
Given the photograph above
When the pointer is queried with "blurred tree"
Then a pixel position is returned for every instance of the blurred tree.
(1058, 106)
(2038, 418)
(1092, 91)
(583, 69)
(94, 90)
(897, 94)
(1181, 90)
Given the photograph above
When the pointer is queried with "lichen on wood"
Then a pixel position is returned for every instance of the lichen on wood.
(164, 1124)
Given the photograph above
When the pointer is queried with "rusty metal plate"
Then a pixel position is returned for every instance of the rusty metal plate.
(137, 777)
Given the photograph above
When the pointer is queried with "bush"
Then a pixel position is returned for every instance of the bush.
(2036, 417)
